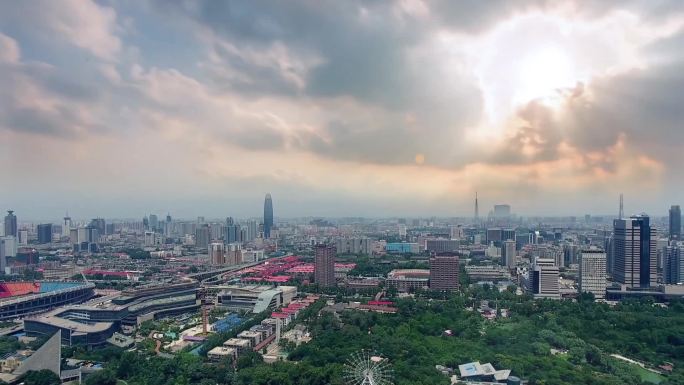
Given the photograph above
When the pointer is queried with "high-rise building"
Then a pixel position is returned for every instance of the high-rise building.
(268, 216)
(146, 223)
(675, 223)
(66, 225)
(11, 223)
(232, 233)
(543, 280)
(508, 254)
(150, 238)
(217, 253)
(100, 225)
(477, 209)
(202, 237)
(444, 271)
(154, 222)
(592, 272)
(495, 235)
(252, 230)
(635, 255)
(44, 233)
(233, 253)
(673, 265)
(324, 268)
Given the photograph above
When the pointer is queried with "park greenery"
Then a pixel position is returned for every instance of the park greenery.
(414, 341)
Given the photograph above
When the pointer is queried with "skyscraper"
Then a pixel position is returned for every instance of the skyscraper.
(11, 223)
(44, 233)
(477, 209)
(324, 268)
(232, 231)
(675, 223)
(592, 273)
(444, 271)
(634, 252)
(66, 226)
(268, 216)
(508, 254)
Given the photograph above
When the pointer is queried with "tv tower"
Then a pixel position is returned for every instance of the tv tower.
(622, 210)
(477, 209)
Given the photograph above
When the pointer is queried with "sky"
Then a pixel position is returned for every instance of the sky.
(340, 108)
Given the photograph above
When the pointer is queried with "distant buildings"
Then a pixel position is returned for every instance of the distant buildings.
(444, 271)
(408, 279)
(635, 254)
(232, 233)
(402, 248)
(11, 223)
(44, 232)
(202, 237)
(353, 246)
(675, 223)
(543, 279)
(268, 216)
(442, 245)
(592, 273)
(324, 267)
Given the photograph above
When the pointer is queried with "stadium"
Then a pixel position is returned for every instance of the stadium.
(21, 299)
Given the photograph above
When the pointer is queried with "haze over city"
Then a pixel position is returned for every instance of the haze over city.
(119, 108)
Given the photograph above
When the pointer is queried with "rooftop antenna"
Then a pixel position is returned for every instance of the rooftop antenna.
(622, 210)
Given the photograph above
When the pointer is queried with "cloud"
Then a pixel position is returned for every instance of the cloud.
(81, 23)
(381, 106)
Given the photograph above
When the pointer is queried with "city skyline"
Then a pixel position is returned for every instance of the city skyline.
(339, 108)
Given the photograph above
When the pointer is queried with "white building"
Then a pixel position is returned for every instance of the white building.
(592, 272)
(543, 279)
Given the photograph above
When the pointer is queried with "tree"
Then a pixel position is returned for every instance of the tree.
(102, 377)
(41, 377)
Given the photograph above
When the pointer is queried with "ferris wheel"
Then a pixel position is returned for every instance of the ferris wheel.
(367, 368)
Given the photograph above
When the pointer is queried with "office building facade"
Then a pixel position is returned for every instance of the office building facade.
(543, 279)
(634, 252)
(592, 272)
